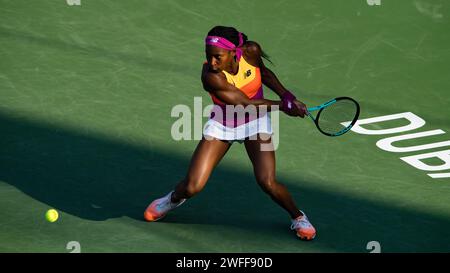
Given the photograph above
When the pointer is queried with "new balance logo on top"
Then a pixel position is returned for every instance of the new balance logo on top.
(247, 73)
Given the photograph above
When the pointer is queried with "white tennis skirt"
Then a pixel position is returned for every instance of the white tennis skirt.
(217, 130)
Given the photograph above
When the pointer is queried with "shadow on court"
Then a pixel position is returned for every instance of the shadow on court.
(95, 178)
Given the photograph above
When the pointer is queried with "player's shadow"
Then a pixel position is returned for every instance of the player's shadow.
(96, 178)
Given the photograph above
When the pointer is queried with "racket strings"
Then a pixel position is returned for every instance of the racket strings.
(330, 117)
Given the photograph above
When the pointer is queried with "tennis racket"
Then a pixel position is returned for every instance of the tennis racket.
(333, 113)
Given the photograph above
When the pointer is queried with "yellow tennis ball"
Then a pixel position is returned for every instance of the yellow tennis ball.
(51, 215)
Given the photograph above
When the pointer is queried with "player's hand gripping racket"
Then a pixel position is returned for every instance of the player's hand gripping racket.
(332, 113)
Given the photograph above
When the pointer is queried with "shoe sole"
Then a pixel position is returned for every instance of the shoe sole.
(306, 238)
(155, 219)
(158, 218)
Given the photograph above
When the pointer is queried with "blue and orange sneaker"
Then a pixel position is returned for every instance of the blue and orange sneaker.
(303, 227)
(160, 207)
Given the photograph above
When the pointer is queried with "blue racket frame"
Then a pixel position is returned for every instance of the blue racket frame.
(325, 105)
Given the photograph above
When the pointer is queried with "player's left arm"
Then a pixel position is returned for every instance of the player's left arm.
(253, 53)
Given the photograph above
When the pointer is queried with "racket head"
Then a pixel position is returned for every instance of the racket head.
(330, 117)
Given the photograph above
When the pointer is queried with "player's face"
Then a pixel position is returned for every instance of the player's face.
(218, 58)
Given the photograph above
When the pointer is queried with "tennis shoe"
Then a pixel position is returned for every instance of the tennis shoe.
(160, 207)
(303, 227)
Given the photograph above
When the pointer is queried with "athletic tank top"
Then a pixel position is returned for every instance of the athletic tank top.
(248, 80)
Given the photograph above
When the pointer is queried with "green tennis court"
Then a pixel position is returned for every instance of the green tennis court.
(86, 93)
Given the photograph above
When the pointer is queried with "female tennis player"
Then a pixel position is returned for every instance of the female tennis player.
(233, 75)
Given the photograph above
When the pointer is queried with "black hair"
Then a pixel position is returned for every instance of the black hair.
(232, 35)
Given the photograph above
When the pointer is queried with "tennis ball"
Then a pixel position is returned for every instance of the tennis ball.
(51, 215)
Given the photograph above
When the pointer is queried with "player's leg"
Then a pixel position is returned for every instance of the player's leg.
(206, 156)
(264, 168)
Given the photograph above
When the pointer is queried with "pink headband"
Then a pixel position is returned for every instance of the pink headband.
(225, 44)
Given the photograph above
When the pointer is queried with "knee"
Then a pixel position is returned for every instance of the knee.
(267, 183)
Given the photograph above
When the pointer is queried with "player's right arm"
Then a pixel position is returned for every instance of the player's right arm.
(217, 84)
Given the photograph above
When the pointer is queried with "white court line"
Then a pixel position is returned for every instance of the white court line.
(439, 175)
